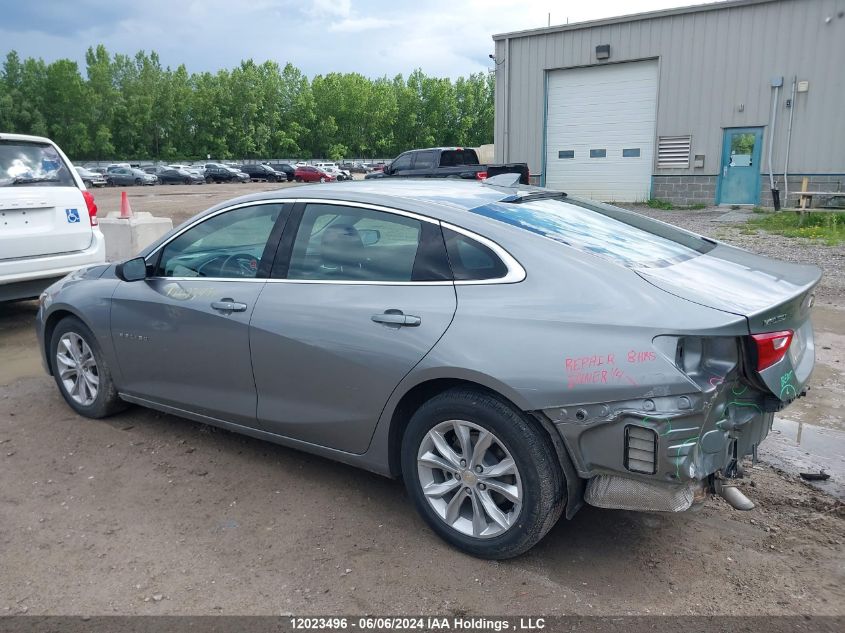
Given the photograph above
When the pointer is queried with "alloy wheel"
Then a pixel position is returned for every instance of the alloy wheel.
(77, 369)
(469, 479)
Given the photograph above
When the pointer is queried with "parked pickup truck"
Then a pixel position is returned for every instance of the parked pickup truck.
(447, 162)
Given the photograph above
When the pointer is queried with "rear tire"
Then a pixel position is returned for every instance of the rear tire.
(209, 180)
(81, 372)
(453, 482)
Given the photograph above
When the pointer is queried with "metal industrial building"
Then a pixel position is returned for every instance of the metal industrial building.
(684, 105)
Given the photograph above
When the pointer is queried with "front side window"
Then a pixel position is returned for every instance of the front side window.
(402, 163)
(228, 245)
(343, 243)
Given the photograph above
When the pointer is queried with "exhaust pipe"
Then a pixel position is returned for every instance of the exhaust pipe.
(733, 496)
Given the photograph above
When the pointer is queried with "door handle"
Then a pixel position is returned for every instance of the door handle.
(228, 305)
(397, 318)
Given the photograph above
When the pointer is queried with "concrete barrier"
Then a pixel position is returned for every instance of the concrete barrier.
(125, 237)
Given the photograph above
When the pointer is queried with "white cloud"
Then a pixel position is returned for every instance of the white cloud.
(373, 37)
(336, 8)
(356, 25)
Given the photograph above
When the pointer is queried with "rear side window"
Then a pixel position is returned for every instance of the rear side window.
(424, 160)
(344, 243)
(27, 163)
(471, 260)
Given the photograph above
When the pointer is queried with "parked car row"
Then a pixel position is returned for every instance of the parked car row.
(173, 175)
(124, 174)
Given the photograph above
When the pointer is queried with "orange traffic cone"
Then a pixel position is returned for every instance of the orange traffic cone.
(125, 209)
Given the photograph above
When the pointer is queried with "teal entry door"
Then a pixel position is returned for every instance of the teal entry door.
(739, 180)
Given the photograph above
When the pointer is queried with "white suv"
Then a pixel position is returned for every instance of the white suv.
(48, 220)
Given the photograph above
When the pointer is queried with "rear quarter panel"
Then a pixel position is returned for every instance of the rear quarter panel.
(577, 330)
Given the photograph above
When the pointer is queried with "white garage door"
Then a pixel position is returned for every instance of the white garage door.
(600, 130)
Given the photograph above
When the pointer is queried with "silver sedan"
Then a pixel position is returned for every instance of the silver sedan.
(509, 351)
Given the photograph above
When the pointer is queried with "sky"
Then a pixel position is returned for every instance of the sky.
(447, 38)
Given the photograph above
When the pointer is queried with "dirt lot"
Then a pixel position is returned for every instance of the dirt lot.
(146, 513)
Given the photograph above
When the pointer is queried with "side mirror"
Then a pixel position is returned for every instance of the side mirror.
(132, 269)
(369, 236)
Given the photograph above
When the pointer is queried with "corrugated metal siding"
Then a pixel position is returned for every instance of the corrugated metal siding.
(709, 63)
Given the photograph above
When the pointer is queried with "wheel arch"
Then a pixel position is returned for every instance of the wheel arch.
(53, 319)
(414, 397)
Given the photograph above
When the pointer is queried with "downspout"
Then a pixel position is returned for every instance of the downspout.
(788, 142)
(507, 147)
(773, 121)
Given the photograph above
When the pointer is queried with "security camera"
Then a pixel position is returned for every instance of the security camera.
(491, 56)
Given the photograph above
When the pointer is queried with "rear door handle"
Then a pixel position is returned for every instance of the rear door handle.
(397, 318)
(228, 305)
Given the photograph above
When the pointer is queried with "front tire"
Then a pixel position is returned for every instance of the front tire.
(81, 372)
(483, 476)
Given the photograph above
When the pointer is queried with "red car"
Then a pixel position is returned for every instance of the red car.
(311, 174)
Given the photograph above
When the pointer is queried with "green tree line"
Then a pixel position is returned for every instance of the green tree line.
(133, 108)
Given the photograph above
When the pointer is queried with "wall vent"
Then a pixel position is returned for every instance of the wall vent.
(673, 152)
(640, 450)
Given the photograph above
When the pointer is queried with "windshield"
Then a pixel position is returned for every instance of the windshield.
(625, 237)
(23, 162)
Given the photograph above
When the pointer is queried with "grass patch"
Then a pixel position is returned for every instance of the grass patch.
(665, 205)
(828, 227)
(657, 203)
(758, 210)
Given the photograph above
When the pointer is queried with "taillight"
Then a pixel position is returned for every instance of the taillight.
(92, 207)
(481, 175)
(771, 347)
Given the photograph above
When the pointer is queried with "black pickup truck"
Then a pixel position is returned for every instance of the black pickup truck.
(447, 162)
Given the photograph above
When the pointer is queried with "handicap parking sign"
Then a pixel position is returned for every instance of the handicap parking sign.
(72, 216)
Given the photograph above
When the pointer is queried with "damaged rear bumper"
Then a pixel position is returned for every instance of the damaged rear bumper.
(663, 453)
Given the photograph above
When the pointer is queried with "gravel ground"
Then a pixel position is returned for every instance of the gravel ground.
(146, 513)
